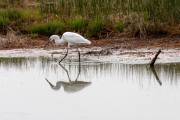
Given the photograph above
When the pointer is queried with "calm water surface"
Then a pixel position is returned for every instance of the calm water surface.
(39, 89)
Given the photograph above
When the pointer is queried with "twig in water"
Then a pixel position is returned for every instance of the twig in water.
(155, 57)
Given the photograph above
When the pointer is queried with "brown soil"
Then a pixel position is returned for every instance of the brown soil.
(136, 43)
(115, 42)
(125, 43)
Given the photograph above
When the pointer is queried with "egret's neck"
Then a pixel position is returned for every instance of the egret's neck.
(59, 41)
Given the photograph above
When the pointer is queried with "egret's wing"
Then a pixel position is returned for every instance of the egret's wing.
(75, 38)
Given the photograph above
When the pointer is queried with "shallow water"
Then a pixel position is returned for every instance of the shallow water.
(106, 91)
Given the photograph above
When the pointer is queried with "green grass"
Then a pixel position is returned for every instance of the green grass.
(11, 14)
(89, 16)
(4, 22)
(77, 24)
(54, 27)
(164, 10)
(95, 27)
(120, 26)
(31, 15)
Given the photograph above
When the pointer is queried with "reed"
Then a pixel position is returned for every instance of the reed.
(49, 28)
(157, 10)
(81, 15)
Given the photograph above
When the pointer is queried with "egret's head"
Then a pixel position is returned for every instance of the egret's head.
(54, 38)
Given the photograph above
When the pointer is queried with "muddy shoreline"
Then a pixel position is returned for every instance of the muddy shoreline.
(137, 56)
(117, 49)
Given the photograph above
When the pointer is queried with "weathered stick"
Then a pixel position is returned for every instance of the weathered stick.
(155, 57)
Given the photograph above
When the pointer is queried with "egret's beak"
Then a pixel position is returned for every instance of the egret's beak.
(49, 42)
(46, 44)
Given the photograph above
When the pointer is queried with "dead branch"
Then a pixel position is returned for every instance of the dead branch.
(155, 57)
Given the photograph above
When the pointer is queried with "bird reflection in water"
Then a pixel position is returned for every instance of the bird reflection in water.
(70, 86)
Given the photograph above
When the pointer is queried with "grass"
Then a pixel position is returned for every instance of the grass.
(95, 27)
(31, 15)
(11, 14)
(120, 26)
(54, 27)
(77, 24)
(90, 16)
(4, 21)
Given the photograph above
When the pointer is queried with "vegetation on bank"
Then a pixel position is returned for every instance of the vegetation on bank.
(93, 18)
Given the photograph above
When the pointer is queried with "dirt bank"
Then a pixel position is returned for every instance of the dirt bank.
(119, 41)
(116, 49)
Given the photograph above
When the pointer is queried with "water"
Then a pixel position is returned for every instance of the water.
(109, 91)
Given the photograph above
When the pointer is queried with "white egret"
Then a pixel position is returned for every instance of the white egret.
(70, 38)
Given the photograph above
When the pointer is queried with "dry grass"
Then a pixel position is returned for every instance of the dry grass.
(11, 40)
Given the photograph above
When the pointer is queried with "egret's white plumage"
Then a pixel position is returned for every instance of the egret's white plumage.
(69, 37)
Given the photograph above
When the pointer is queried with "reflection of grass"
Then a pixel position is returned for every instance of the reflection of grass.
(15, 61)
(23, 62)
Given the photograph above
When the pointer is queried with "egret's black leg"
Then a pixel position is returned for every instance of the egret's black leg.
(64, 56)
(79, 55)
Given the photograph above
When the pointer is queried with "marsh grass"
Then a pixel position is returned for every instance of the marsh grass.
(96, 27)
(53, 27)
(155, 9)
(11, 14)
(78, 25)
(120, 26)
(91, 16)
(31, 15)
(144, 15)
(4, 21)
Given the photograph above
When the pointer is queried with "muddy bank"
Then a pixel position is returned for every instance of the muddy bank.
(116, 49)
(119, 41)
(136, 56)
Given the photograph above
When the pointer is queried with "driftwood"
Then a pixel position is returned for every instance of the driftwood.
(152, 67)
(155, 57)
